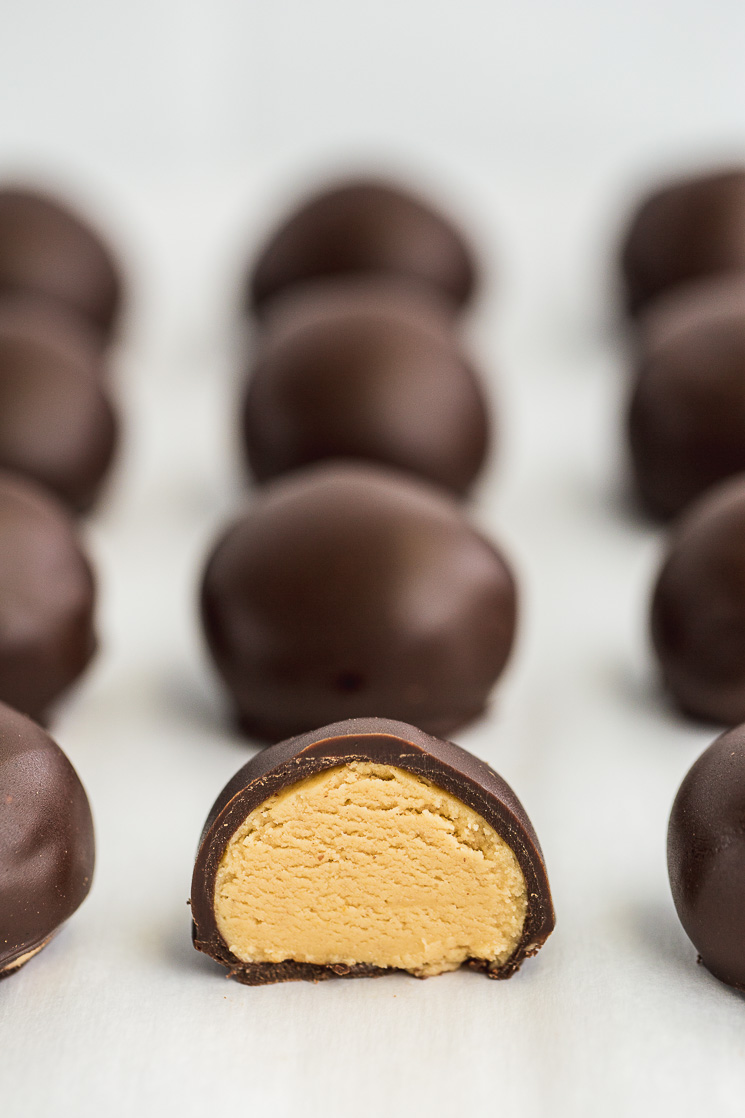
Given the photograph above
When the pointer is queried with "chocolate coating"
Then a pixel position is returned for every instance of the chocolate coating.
(687, 412)
(706, 857)
(57, 424)
(689, 228)
(368, 370)
(350, 590)
(46, 249)
(365, 226)
(46, 839)
(25, 316)
(389, 743)
(698, 608)
(46, 598)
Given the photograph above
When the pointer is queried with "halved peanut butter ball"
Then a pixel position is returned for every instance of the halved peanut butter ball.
(363, 848)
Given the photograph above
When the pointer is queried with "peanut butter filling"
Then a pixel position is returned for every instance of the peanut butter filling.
(370, 864)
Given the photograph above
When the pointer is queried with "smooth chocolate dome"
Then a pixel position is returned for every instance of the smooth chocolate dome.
(698, 607)
(706, 856)
(46, 840)
(687, 411)
(368, 370)
(688, 228)
(57, 423)
(352, 591)
(47, 598)
(367, 226)
(47, 249)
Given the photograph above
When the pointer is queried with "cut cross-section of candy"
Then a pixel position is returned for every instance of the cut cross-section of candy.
(367, 847)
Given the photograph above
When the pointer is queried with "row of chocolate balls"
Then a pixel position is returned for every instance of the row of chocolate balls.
(60, 298)
(286, 530)
(359, 358)
(684, 269)
(357, 294)
(365, 371)
(47, 854)
(357, 354)
(350, 365)
(349, 819)
(354, 585)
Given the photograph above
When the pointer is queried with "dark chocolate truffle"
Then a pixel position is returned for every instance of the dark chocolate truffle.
(706, 857)
(366, 848)
(368, 370)
(366, 226)
(47, 250)
(46, 840)
(27, 316)
(690, 227)
(687, 413)
(350, 590)
(698, 608)
(57, 424)
(46, 598)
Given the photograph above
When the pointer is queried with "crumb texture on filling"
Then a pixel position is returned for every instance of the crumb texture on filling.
(367, 863)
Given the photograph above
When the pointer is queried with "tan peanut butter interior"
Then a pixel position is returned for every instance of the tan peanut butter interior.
(366, 863)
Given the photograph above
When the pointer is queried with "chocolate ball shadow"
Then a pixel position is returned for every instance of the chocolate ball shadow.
(638, 689)
(177, 952)
(189, 697)
(615, 501)
(658, 934)
(643, 692)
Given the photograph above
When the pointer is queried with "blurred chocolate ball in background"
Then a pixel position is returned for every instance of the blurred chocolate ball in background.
(688, 228)
(368, 226)
(698, 607)
(57, 423)
(686, 420)
(364, 369)
(47, 845)
(48, 250)
(47, 597)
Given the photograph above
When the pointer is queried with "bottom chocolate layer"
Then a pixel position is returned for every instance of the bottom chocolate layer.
(267, 974)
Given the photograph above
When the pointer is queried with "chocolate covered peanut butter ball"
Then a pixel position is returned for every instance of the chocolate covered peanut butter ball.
(351, 590)
(365, 226)
(48, 250)
(706, 857)
(698, 607)
(57, 421)
(369, 370)
(689, 228)
(47, 597)
(46, 840)
(365, 848)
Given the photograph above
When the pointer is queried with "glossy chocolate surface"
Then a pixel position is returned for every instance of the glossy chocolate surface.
(389, 743)
(366, 370)
(350, 590)
(698, 608)
(689, 228)
(46, 598)
(46, 839)
(687, 413)
(368, 226)
(46, 249)
(57, 423)
(706, 857)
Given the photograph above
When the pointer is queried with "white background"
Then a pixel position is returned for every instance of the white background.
(185, 127)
